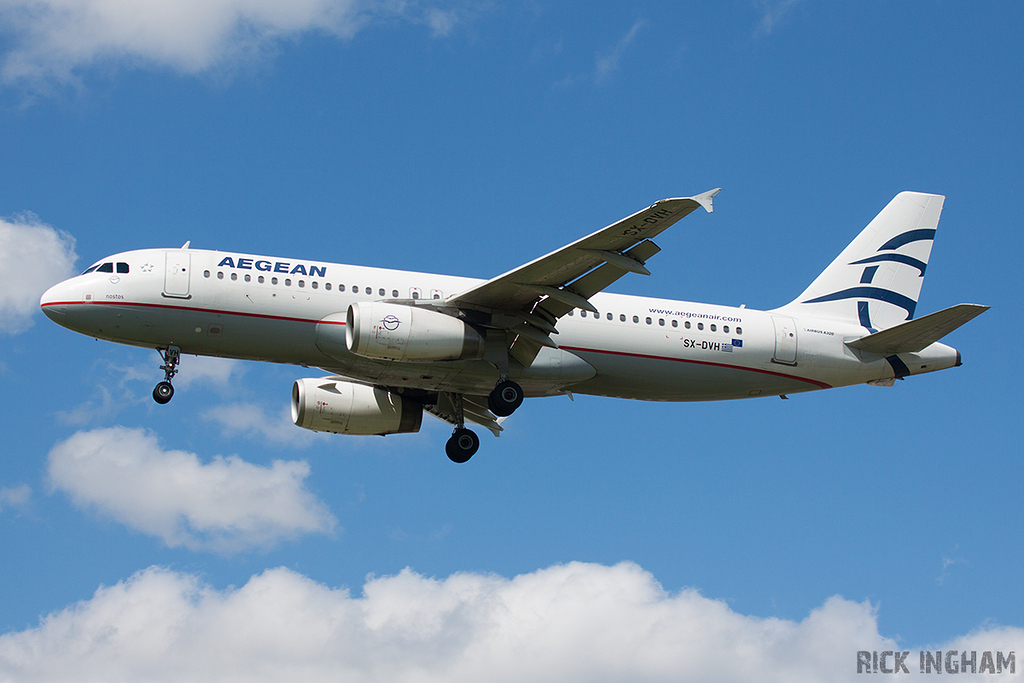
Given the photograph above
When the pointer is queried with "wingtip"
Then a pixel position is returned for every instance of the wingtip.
(704, 199)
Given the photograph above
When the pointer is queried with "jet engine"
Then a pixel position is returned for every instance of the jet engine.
(376, 329)
(333, 405)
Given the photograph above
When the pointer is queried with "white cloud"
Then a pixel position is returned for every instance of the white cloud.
(15, 497)
(226, 505)
(117, 388)
(772, 13)
(948, 562)
(33, 256)
(608, 64)
(574, 622)
(53, 39)
(254, 422)
(219, 372)
(441, 22)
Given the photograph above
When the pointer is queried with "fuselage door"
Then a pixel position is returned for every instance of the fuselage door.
(785, 340)
(176, 274)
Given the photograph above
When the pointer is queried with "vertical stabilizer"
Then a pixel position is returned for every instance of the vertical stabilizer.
(877, 279)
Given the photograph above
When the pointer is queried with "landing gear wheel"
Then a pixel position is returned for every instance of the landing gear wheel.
(505, 398)
(163, 392)
(462, 445)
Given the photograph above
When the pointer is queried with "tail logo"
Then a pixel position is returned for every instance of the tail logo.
(866, 291)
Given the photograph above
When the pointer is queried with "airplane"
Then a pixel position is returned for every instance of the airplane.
(398, 344)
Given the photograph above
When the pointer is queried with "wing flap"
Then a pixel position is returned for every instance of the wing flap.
(914, 335)
(600, 278)
(474, 409)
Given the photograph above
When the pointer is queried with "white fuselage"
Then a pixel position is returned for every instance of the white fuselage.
(259, 308)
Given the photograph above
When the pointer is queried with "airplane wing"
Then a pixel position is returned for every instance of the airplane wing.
(521, 287)
(536, 294)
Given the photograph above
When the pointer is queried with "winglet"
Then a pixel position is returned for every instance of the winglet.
(704, 199)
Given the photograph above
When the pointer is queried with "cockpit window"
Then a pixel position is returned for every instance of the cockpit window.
(90, 269)
(106, 268)
(122, 267)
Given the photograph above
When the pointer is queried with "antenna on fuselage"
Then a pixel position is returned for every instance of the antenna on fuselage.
(185, 246)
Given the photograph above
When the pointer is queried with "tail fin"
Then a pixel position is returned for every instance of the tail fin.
(877, 279)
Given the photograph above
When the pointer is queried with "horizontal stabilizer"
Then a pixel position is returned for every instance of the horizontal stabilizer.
(914, 335)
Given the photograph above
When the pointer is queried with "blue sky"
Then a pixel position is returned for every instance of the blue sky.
(467, 138)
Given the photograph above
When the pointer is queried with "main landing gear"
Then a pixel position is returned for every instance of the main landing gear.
(163, 392)
(462, 445)
(505, 398)
(463, 442)
(502, 401)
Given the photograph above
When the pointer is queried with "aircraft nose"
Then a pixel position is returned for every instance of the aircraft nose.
(54, 302)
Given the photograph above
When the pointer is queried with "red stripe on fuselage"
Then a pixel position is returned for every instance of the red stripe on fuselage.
(820, 385)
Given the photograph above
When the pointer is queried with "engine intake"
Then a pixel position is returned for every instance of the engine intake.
(376, 329)
(332, 405)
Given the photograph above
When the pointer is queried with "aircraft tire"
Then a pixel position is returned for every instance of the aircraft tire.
(163, 392)
(505, 398)
(462, 445)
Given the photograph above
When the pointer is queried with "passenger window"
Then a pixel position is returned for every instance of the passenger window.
(436, 294)
(687, 324)
(380, 292)
(714, 328)
(341, 288)
(206, 273)
(571, 311)
(648, 321)
(700, 326)
(302, 283)
(273, 280)
(327, 286)
(106, 268)
(234, 277)
(314, 284)
(260, 279)
(636, 318)
(661, 321)
(287, 282)
(414, 293)
(675, 323)
(725, 328)
(608, 315)
(394, 293)
(122, 268)
(248, 277)
(220, 274)
(622, 317)
(739, 330)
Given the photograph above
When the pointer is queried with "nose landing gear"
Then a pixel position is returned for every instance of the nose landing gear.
(164, 391)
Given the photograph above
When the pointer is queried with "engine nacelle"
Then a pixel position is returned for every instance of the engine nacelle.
(376, 329)
(333, 405)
